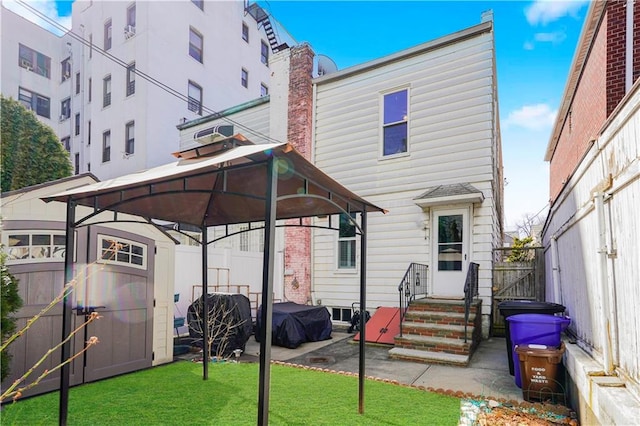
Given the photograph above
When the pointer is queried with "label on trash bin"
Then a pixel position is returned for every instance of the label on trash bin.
(539, 375)
(535, 346)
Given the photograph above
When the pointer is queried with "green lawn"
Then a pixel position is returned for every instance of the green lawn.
(175, 394)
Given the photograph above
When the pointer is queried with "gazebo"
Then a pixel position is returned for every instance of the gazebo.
(231, 181)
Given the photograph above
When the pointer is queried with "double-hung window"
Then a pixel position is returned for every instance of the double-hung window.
(194, 102)
(245, 32)
(244, 78)
(129, 144)
(264, 52)
(77, 83)
(107, 35)
(195, 44)
(131, 79)
(77, 124)
(347, 242)
(106, 146)
(395, 116)
(106, 91)
(35, 102)
(65, 109)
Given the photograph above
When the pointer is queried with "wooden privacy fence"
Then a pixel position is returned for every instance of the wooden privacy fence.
(517, 275)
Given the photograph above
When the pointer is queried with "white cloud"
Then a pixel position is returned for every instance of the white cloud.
(532, 117)
(46, 7)
(554, 37)
(528, 45)
(546, 11)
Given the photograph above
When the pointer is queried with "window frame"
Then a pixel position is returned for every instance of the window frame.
(244, 78)
(89, 132)
(76, 124)
(264, 90)
(131, 15)
(34, 61)
(245, 31)
(106, 91)
(76, 161)
(129, 137)
(116, 246)
(55, 251)
(108, 34)
(106, 146)
(65, 109)
(65, 69)
(196, 50)
(199, 4)
(264, 52)
(90, 84)
(191, 101)
(352, 265)
(31, 100)
(78, 83)
(384, 124)
(66, 143)
(131, 79)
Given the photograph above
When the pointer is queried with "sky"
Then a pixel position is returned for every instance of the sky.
(535, 43)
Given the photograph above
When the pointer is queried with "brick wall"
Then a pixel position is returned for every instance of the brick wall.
(616, 55)
(586, 115)
(297, 252)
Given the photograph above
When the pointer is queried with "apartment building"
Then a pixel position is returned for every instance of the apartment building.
(115, 87)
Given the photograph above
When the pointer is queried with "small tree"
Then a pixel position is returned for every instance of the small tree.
(11, 302)
(521, 250)
(31, 152)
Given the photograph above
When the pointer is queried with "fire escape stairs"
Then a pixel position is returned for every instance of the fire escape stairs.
(262, 18)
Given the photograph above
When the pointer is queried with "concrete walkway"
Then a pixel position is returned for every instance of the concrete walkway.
(487, 374)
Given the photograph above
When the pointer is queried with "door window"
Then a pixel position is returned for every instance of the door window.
(450, 230)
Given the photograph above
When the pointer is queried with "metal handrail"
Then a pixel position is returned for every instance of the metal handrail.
(414, 283)
(470, 292)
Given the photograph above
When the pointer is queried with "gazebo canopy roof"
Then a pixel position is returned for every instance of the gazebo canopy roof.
(224, 182)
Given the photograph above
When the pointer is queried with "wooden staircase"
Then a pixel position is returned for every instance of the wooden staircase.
(433, 332)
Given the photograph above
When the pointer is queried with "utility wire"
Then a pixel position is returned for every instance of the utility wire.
(142, 74)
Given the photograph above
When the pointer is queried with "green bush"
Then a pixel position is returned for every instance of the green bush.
(11, 302)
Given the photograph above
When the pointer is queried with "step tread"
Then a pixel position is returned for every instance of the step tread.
(442, 314)
(432, 326)
(441, 357)
(434, 340)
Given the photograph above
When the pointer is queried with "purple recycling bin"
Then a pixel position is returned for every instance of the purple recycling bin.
(538, 329)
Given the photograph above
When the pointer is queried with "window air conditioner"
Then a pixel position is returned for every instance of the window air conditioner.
(129, 31)
(63, 117)
(26, 64)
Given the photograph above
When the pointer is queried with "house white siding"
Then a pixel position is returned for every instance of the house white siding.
(452, 139)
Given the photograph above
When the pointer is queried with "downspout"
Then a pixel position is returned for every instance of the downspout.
(602, 280)
(555, 270)
(628, 68)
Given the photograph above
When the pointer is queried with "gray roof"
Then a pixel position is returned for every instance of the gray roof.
(450, 190)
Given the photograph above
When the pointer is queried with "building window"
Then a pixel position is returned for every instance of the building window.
(245, 32)
(195, 44)
(77, 124)
(244, 78)
(65, 69)
(394, 126)
(44, 246)
(106, 146)
(65, 109)
(66, 143)
(195, 98)
(264, 89)
(88, 167)
(107, 35)
(106, 91)
(89, 94)
(89, 132)
(77, 83)
(118, 250)
(129, 144)
(34, 61)
(90, 45)
(347, 243)
(264, 52)
(131, 17)
(199, 3)
(341, 314)
(35, 102)
(131, 79)
(76, 162)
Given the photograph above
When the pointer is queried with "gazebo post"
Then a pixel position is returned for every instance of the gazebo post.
(266, 313)
(67, 317)
(363, 308)
(205, 303)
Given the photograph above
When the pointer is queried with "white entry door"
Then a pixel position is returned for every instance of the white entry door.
(450, 248)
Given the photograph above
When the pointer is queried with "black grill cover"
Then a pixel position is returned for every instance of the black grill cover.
(229, 318)
(294, 324)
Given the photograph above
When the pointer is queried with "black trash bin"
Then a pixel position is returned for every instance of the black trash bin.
(514, 307)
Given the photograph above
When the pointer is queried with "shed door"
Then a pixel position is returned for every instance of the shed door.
(449, 250)
(122, 293)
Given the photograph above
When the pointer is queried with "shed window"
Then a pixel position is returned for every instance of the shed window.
(45, 246)
(120, 251)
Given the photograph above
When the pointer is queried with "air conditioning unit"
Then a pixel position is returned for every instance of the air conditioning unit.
(63, 117)
(26, 64)
(213, 134)
(129, 31)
